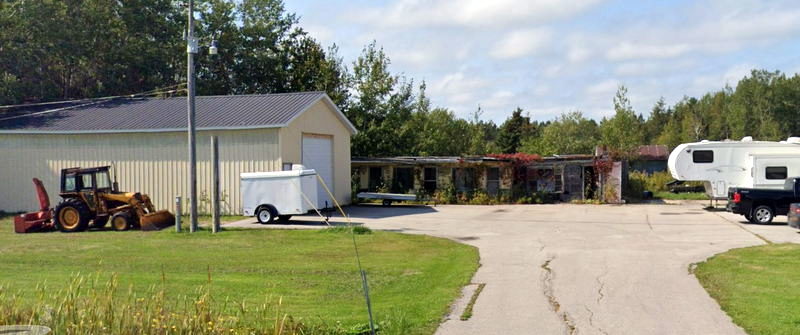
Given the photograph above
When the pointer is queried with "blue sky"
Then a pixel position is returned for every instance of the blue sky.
(555, 56)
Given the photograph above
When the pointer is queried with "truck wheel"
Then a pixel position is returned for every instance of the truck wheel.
(72, 215)
(121, 221)
(763, 214)
(265, 214)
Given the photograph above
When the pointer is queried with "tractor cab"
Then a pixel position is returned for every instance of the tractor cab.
(75, 180)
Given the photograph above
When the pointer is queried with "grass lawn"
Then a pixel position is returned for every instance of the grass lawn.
(412, 278)
(681, 196)
(758, 287)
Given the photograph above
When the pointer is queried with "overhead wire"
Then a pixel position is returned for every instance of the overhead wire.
(91, 102)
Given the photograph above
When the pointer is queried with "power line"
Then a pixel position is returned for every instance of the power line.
(150, 92)
(93, 102)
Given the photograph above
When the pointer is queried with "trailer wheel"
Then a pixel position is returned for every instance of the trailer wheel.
(72, 215)
(121, 221)
(763, 214)
(265, 214)
(387, 202)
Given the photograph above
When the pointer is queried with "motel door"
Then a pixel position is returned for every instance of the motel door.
(573, 182)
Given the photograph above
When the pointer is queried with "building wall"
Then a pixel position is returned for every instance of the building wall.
(321, 119)
(152, 163)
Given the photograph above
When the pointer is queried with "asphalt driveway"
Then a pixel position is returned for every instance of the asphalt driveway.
(581, 269)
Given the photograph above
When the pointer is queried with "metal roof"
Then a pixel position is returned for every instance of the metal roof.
(415, 160)
(164, 114)
(653, 152)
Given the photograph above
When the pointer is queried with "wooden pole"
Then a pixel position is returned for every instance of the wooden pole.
(215, 192)
(191, 49)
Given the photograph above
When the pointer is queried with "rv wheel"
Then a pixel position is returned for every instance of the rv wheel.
(763, 214)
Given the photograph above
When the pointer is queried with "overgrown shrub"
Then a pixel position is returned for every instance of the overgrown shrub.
(481, 198)
(638, 182)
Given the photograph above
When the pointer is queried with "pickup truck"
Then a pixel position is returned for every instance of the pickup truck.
(762, 205)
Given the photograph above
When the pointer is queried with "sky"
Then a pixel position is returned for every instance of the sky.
(553, 56)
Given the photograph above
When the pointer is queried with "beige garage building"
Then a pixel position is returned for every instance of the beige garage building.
(145, 140)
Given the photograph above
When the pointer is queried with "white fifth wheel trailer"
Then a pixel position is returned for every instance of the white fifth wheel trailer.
(745, 163)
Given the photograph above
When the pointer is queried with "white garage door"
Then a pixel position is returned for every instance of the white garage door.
(318, 155)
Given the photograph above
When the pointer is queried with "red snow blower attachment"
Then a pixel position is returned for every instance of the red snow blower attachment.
(36, 221)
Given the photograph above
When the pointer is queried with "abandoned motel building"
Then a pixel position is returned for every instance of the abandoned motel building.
(145, 141)
(563, 177)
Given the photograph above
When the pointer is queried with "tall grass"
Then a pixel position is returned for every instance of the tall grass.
(90, 305)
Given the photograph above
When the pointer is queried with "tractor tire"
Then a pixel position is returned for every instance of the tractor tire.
(121, 221)
(72, 215)
(99, 222)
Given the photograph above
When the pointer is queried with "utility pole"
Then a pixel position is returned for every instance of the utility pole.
(191, 50)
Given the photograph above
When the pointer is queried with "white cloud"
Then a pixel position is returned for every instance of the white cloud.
(645, 68)
(629, 50)
(603, 88)
(521, 43)
(322, 33)
(458, 88)
(716, 81)
(578, 53)
(473, 13)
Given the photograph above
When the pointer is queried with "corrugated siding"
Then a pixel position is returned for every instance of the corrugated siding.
(153, 163)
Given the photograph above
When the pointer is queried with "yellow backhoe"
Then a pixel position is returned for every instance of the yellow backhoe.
(90, 199)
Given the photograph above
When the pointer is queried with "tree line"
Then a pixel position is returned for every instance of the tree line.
(53, 50)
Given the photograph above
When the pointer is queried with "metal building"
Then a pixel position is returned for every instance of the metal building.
(145, 141)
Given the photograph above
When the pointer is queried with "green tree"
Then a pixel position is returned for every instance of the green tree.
(570, 133)
(513, 131)
(659, 116)
(624, 131)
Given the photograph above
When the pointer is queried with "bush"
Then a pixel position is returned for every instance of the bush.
(446, 195)
(481, 198)
(638, 182)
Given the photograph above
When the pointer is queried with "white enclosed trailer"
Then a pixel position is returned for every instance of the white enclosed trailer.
(746, 163)
(280, 194)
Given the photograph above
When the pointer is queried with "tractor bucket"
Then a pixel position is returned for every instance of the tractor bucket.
(156, 221)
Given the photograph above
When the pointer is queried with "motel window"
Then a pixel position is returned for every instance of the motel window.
(703, 156)
(776, 172)
(429, 179)
(464, 179)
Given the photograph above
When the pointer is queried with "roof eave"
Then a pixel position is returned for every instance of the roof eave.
(119, 131)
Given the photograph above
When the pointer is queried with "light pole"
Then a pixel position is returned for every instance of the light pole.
(191, 50)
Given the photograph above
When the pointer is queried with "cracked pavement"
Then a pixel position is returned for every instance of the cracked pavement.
(583, 269)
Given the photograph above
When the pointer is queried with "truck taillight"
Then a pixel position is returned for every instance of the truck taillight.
(737, 198)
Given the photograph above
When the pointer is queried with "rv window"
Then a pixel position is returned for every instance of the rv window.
(776, 172)
(703, 156)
